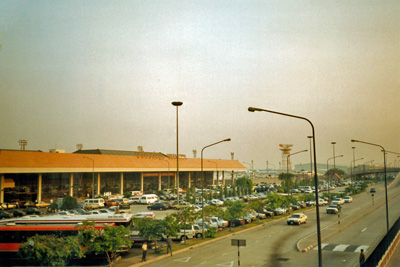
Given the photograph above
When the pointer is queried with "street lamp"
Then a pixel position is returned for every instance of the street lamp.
(287, 167)
(384, 167)
(327, 168)
(202, 186)
(334, 161)
(310, 137)
(92, 175)
(177, 104)
(252, 109)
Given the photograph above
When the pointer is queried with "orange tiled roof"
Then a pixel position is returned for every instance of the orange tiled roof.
(36, 162)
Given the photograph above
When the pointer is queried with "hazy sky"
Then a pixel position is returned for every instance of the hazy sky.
(104, 74)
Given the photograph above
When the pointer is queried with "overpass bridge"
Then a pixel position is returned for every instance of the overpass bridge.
(368, 171)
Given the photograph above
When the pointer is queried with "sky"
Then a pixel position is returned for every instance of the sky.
(104, 73)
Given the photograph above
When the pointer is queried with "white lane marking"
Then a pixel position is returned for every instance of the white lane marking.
(183, 259)
(363, 230)
(361, 247)
(322, 246)
(340, 248)
(226, 264)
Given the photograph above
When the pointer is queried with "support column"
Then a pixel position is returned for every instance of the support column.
(122, 183)
(223, 178)
(159, 181)
(98, 184)
(141, 182)
(233, 177)
(39, 188)
(213, 176)
(71, 185)
(175, 181)
(2, 189)
(190, 180)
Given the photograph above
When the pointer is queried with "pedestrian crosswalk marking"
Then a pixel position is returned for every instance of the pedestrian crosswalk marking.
(340, 248)
(343, 248)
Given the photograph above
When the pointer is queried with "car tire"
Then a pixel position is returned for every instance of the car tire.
(198, 235)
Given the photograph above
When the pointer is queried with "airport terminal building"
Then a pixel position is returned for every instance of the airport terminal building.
(42, 176)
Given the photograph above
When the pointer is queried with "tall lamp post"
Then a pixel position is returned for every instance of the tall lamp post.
(287, 168)
(177, 104)
(92, 174)
(202, 186)
(327, 168)
(310, 137)
(252, 109)
(384, 167)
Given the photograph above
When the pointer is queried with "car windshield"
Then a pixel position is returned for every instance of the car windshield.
(295, 216)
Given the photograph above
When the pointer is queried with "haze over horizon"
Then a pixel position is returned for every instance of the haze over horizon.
(104, 74)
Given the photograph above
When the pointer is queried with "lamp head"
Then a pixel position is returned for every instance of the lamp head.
(227, 140)
(177, 103)
(251, 109)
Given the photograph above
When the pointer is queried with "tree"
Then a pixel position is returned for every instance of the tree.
(286, 180)
(150, 229)
(108, 240)
(51, 251)
(233, 190)
(245, 183)
(170, 225)
(233, 210)
(257, 205)
(226, 191)
(186, 216)
(69, 203)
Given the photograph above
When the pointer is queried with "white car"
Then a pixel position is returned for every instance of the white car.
(338, 201)
(297, 218)
(322, 202)
(348, 199)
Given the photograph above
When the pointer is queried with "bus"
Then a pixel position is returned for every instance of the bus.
(12, 236)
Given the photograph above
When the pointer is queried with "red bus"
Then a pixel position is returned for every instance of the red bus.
(12, 236)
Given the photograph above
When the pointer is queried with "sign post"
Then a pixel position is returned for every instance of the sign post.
(239, 243)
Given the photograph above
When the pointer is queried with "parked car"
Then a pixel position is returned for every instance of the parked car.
(158, 206)
(124, 208)
(279, 211)
(5, 215)
(372, 190)
(297, 218)
(333, 209)
(139, 215)
(268, 213)
(30, 211)
(237, 222)
(134, 200)
(6, 206)
(220, 222)
(17, 213)
(42, 204)
(29, 204)
(348, 199)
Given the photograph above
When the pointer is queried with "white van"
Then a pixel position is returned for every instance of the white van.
(95, 202)
(148, 199)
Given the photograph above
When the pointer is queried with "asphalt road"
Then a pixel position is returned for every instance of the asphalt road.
(276, 243)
